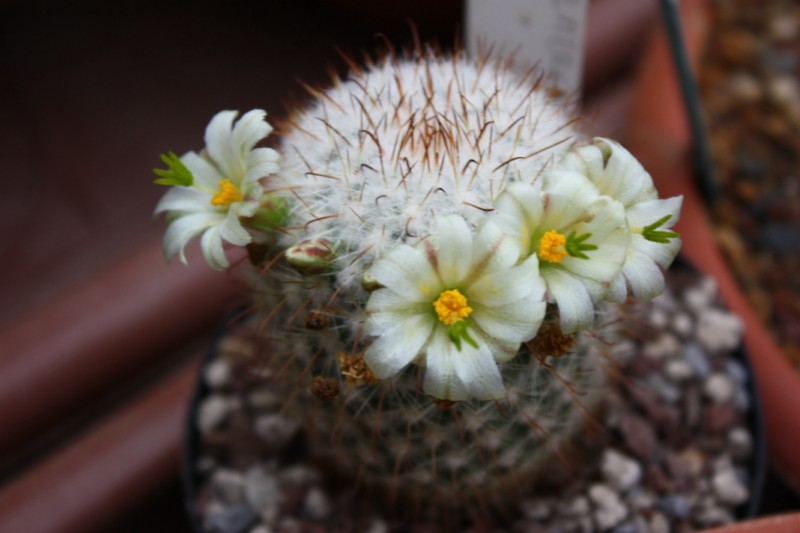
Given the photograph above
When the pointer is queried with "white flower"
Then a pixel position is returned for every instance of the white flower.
(221, 186)
(579, 237)
(455, 303)
(618, 174)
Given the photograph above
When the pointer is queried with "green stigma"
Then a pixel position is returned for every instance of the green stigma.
(176, 172)
(458, 332)
(651, 234)
(576, 246)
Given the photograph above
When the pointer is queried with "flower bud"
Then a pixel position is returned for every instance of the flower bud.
(311, 257)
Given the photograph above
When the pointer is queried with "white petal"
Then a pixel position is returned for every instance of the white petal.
(185, 199)
(233, 231)
(219, 143)
(478, 372)
(384, 308)
(406, 270)
(211, 244)
(494, 248)
(185, 228)
(602, 264)
(453, 243)
(617, 290)
(574, 302)
(644, 276)
(567, 198)
(623, 177)
(513, 323)
(519, 210)
(662, 253)
(440, 376)
(206, 176)
(646, 213)
(261, 162)
(398, 345)
(501, 287)
(250, 129)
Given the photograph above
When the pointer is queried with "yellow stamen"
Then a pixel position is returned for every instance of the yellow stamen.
(551, 247)
(228, 194)
(452, 306)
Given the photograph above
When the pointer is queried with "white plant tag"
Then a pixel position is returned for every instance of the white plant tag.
(550, 33)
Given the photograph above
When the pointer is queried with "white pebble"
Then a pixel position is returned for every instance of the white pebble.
(718, 330)
(609, 509)
(740, 442)
(218, 374)
(377, 526)
(728, 488)
(659, 523)
(702, 295)
(682, 324)
(678, 370)
(213, 411)
(658, 318)
(620, 471)
(261, 489)
(316, 505)
(276, 429)
(719, 388)
(666, 345)
(537, 509)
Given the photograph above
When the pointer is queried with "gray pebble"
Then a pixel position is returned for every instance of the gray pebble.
(236, 519)
(639, 499)
(675, 506)
(682, 324)
(695, 355)
(736, 371)
(668, 392)
(227, 486)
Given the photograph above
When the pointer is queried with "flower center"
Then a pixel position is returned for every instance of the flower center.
(228, 194)
(452, 306)
(552, 247)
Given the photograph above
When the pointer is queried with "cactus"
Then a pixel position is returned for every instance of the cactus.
(438, 254)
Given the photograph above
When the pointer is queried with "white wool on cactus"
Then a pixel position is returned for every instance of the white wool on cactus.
(378, 154)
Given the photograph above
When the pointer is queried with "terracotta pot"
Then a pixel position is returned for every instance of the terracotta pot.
(660, 138)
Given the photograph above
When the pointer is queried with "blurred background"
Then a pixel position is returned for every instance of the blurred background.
(91, 92)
